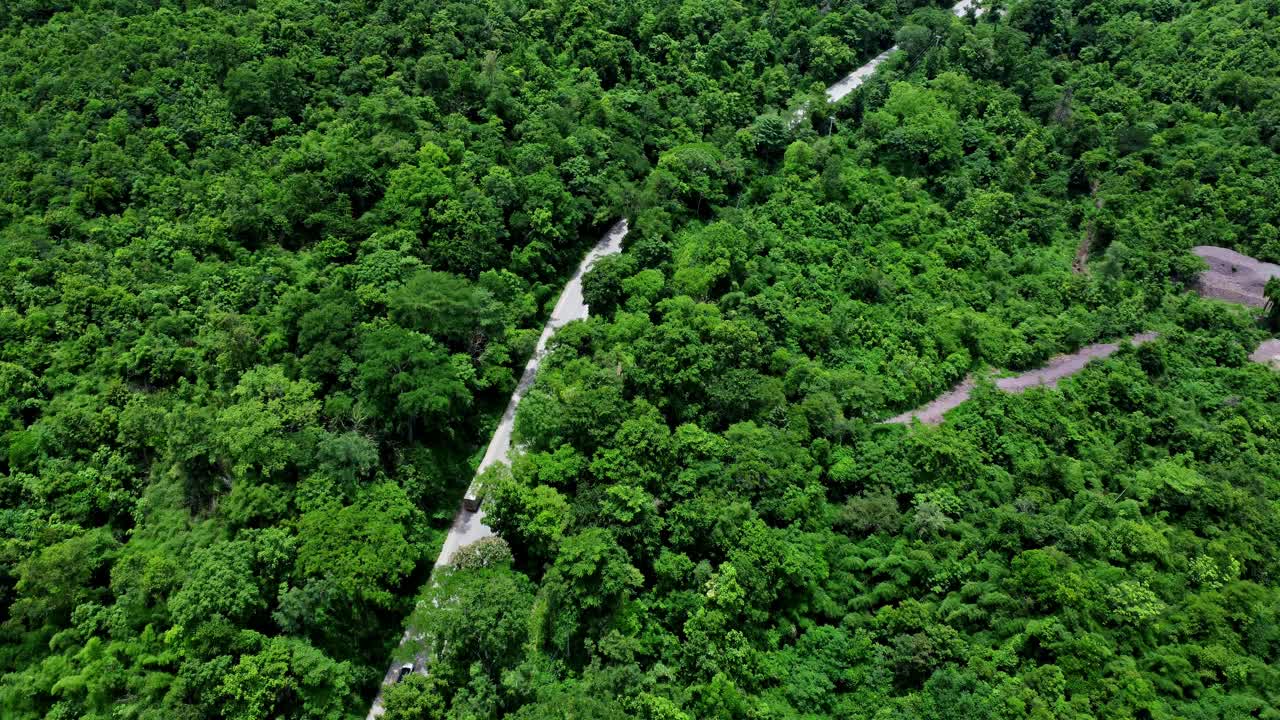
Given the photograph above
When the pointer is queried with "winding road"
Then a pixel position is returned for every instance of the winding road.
(850, 82)
(1231, 276)
(1058, 367)
(468, 526)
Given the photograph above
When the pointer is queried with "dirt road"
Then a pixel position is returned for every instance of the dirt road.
(1059, 367)
(1231, 276)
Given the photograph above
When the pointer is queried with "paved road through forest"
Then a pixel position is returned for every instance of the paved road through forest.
(850, 82)
(468, 526)
(1241, 276)
(1231, 276)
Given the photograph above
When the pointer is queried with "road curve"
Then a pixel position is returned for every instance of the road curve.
(1232, 276)
(468, 526)
(1057, 368)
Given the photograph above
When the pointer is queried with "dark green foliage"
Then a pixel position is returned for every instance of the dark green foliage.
(603, 287)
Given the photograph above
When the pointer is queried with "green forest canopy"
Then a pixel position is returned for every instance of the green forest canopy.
(269, 271)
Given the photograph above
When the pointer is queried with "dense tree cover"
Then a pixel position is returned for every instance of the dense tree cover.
(709, 522)
(266, 272)
(268, 269)
(1106, 551)
(1158, 119)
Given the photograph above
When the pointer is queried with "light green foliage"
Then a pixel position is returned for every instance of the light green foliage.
(1134, 602)
(366, 547)
(581, 404)
(485, 552)
(915, 129)
(643, 288)
(415, 698)
(474, 615)
(535, 516)
(1168, 477)
(286, 675)
(693, 173)
(711, 258)
(221, 583)
(261, 429)
(1211, 574)
(413, 188)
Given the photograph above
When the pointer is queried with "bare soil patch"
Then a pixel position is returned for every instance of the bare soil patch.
(1234, 277)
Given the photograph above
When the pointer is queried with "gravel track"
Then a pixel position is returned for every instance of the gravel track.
(1231, 276)
(1060, 366)
(1267, 353)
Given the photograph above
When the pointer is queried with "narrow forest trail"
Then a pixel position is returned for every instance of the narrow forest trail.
(468, 525)
(1081, 262)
